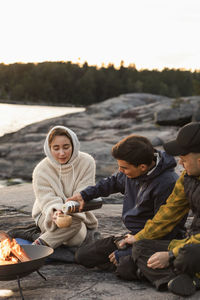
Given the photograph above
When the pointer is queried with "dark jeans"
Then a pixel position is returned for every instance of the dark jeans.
(96, 254)
(187, 261)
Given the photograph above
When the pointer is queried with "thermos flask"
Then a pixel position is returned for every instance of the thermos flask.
(73, 206)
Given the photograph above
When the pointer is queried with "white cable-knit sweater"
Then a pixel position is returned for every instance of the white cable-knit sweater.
(53, 183)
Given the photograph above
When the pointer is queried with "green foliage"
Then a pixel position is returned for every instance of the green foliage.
(65, 83)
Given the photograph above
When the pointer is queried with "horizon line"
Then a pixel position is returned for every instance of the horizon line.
(102, 65)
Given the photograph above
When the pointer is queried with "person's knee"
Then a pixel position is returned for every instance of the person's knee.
(188, 260)
(96, 253)
(81, 256)
(87, 256)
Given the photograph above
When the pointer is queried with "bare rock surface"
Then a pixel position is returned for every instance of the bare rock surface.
(98, 129)
(70, 281)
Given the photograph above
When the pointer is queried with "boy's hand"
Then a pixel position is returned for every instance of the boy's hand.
(112, 258)
(77, 198)
(129, 239)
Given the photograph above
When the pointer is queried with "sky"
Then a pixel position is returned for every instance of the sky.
(152, 34)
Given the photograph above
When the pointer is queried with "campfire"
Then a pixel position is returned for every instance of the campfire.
(19, 261)
(10, 251)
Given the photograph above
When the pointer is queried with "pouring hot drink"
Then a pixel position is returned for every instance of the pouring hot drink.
(73, 206)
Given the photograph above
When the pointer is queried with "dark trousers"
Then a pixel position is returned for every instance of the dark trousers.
(96, 254)
(187, 261)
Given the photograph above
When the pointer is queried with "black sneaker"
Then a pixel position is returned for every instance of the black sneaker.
(182, 285)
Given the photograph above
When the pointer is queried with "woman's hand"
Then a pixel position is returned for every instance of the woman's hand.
(78, 198)
(159, 260)
(56, 214)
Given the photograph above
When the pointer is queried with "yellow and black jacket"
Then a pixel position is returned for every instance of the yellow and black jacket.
(185, 196)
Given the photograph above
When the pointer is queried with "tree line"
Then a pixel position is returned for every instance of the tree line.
(67, 83)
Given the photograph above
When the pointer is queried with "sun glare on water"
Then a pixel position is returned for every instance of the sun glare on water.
(11, 115)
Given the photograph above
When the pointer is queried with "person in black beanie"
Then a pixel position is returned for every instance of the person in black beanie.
(173, 264)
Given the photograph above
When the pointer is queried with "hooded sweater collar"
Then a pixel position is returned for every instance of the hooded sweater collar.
(164, 162)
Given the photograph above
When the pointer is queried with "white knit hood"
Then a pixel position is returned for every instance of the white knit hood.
(75, 141)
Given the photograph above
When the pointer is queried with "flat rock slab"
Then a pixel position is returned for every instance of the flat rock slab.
(70, 281)
(19, 196)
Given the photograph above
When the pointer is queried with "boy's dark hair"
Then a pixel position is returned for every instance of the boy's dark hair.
(135, 150)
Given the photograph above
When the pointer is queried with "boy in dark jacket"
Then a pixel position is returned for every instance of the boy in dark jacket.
(146, 178)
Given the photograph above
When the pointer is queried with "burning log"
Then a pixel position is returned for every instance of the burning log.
(3, 236)
(11, 251)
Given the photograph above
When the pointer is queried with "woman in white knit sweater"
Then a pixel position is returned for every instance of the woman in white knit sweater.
(64, 171)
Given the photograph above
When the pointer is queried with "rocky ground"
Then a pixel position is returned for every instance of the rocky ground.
(69, 281)
(98, 129)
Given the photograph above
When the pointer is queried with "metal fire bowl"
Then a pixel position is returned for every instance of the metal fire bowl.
(38, 254)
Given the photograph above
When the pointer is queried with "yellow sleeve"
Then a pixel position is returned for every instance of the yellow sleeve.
(168, 215)
(175, 245)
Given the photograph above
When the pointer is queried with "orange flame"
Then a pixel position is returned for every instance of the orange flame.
(6, 247)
